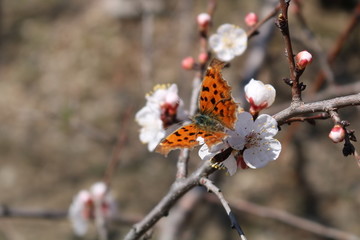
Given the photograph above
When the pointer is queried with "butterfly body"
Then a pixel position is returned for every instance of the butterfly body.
(207, 123)
(217, 111)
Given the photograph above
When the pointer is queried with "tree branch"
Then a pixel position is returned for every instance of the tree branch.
(320, 106)
(178, 189)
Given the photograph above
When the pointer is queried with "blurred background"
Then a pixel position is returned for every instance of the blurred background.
(74, 73)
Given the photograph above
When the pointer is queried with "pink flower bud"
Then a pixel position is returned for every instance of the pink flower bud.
(337, 133)
(203, 19)
(251, 19)
(259, 95)
(203, 57)
(188, 63)
(303, 59)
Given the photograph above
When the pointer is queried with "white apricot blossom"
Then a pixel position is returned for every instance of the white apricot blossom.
(253, 138)
(88, 205)
(163, 107)
(229, 41)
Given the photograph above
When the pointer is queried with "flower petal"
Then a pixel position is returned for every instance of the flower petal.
(205, 154)
(266, 126)
(215, 42)
(225, 54)
(243, 127)
(259, 156)
(226, 28)
(231, 165)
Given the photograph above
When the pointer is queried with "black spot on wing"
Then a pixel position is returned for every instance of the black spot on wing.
(214, 85)
(210, 74)
(216, 92)
(213, 101)
(222, 113)
(206, 89)
(177, 133)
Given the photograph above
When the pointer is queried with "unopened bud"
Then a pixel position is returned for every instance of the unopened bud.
(337, 133)
(259, 95)
(251, 19)
(203, 57)
(203, 20)
(188, 63)
(303, 59)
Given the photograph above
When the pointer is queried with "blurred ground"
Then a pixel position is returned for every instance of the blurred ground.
(70, 66)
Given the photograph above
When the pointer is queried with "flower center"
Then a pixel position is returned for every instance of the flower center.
(252, 139)
(228, 42)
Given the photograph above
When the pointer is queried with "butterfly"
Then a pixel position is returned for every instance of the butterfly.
(217, 111)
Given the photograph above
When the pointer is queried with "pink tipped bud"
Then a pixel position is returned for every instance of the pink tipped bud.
(337, 133)
(188, 63)
(203, 57)
(203, 19)
(259, 95)
(251, 19)
(303, 59)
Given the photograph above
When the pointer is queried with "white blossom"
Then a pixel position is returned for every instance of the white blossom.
(162, 104)
(79, 212)
(87, 205)
(228, 42)
(254, 138)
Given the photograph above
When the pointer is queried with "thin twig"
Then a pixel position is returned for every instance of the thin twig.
(311, 119)
(211, 187)
(283, 24)
(334, 116)
(310, 40)
(48, 214)
(115, 155)
(289, 219)
(252, 32)
(339, 44)
(203, 33)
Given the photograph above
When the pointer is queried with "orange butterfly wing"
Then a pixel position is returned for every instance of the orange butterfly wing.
(216, 104)
(215, 96)
(185, 137)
